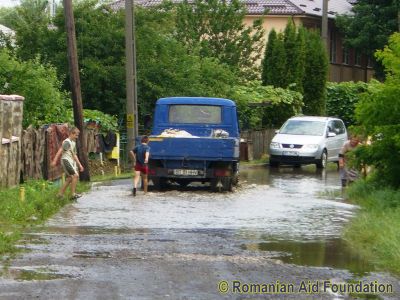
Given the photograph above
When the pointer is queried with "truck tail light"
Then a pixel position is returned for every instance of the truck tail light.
(222, 172)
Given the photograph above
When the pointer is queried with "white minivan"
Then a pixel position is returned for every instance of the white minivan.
(307, 140)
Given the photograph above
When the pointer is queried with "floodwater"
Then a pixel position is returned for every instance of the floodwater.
(298, 214)
(279, 224)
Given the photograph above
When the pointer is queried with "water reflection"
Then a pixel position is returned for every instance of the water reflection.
(321, 253)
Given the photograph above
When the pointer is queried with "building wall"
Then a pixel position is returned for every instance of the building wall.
(353, 68)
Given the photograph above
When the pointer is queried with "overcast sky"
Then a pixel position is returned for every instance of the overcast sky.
(8, 3)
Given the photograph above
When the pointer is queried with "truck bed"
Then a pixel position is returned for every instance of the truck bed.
(201, 148)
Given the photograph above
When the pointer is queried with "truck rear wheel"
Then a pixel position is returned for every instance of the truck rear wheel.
(221, 184)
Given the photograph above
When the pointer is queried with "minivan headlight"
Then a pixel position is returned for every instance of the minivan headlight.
(274, 145)
(312, 146)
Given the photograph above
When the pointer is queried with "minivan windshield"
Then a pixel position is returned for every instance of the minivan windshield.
(303, 127)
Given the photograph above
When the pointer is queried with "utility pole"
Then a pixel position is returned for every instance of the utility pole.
(76, 87)
(131, 90)
(324, 25)
(398, 14)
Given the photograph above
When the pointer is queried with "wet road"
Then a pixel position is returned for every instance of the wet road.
(282, 225)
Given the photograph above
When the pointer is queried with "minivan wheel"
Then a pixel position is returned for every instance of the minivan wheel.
(321, 163)
(273, 164)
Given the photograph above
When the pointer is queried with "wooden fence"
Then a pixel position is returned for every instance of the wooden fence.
(28, 153)
(40, 147)
(258, 142)
(11, 108)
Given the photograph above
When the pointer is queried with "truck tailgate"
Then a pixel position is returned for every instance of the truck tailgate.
(193, 148)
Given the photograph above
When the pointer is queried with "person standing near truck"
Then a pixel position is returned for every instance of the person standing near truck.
(140, 155)
(69, 163)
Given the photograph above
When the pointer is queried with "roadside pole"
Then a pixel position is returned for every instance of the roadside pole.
(324, 25)
(131, 90)
(76, 87)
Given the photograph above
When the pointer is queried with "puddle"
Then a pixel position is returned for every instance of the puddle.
(323, 253)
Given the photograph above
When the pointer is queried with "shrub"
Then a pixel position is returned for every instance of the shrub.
(280, 105)
(342, 99)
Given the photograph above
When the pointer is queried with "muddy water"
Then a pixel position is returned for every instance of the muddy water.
(281, 225)
(297, 214)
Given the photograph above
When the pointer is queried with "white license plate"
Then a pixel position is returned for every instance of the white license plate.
(184, 172)
(290, 153)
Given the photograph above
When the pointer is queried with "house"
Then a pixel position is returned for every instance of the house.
(345, 64)
(6, 33)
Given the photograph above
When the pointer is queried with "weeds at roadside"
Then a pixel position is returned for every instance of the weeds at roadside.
(27, 205)
(375, 232)
(331, 194)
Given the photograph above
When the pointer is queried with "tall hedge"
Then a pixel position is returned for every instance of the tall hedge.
(315, 76)
(342, 99)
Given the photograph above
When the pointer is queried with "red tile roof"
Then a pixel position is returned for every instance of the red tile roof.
(273, 7)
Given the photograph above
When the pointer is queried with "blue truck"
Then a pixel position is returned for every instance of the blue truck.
(195, 139)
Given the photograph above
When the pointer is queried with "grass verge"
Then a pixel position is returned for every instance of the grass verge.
(375, 232)
(40, 202)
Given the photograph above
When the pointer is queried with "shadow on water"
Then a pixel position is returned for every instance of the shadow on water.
(322, 253)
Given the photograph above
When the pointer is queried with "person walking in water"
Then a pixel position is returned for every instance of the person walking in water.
(69, 163)
(140, 155)
(347, 174)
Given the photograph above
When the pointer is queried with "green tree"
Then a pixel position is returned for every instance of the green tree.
(291, 52)
(265, 106)
(215, 29)
(38, 83)
(342, 99)
(164, 66)
(284, 58)
(378, 115)
(315, 76)
(31, 26)
(369, 28)
(7, 14)
(278, 63)
(299, 59)
(267, 63)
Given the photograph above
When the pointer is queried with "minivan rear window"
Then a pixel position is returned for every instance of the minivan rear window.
(195, 114)
(303, 127)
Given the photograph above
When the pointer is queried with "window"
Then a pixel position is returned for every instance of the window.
(338, 127)
(345, 56)
(332, 50)
(195, 114)
(300, 127)
(357, 58)
(370, 62)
